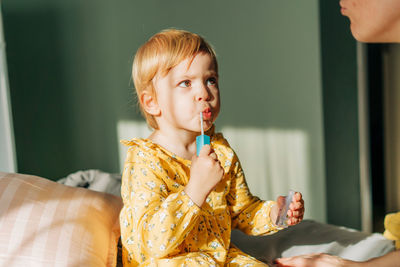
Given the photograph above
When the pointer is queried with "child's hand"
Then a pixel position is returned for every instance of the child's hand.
(296, 209)
(205, 173)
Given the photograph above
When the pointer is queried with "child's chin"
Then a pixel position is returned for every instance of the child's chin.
(207, 125)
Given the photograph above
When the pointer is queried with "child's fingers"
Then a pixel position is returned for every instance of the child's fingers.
(213, 156)
(296, 213)
(205, 151)
(291, 221)
(297, 196)
(294, 220)
(296, 205)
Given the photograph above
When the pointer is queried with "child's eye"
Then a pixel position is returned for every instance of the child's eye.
(212, 81)
(184, 84)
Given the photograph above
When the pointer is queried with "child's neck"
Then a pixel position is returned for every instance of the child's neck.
(181, 143)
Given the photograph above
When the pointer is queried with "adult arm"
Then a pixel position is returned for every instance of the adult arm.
(391, 259)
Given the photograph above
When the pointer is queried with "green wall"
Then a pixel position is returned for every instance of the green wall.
(69, 67)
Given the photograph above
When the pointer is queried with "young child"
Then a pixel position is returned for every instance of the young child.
(179, 208)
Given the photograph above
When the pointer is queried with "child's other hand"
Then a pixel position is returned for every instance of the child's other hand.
(296, 209)
(205, 173)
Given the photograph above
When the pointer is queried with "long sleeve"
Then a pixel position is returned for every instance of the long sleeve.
(249, 214)
(153, 217)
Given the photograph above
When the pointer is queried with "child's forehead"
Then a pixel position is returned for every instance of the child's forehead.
(201, 62)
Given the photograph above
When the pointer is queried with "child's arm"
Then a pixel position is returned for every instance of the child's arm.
(152, 218)
(205, 173)
(249, 214)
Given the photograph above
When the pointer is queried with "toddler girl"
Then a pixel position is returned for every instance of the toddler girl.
(179, 208)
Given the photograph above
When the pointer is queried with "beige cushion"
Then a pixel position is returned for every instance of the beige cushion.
(43, 223)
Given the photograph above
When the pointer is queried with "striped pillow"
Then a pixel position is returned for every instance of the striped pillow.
(43, 223)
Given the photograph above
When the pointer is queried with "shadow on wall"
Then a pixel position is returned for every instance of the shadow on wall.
(37, 86)
(274, 160)
(64, 115)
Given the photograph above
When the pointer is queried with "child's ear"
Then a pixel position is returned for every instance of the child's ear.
(149, 103)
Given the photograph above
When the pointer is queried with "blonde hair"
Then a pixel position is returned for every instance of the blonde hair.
(160, 54)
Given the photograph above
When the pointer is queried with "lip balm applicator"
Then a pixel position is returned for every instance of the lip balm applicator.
(202, 139)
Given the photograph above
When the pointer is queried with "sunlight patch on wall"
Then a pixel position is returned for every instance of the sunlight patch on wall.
(273, 160)
(126, 130)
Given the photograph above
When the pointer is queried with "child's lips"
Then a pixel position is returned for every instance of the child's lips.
(207, 114)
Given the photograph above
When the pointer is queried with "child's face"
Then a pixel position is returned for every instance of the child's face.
(189, 88)
(373, 20)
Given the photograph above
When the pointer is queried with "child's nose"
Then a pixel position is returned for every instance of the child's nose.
(203, 93)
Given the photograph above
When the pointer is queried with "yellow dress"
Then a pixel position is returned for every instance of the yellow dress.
(161, 225)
